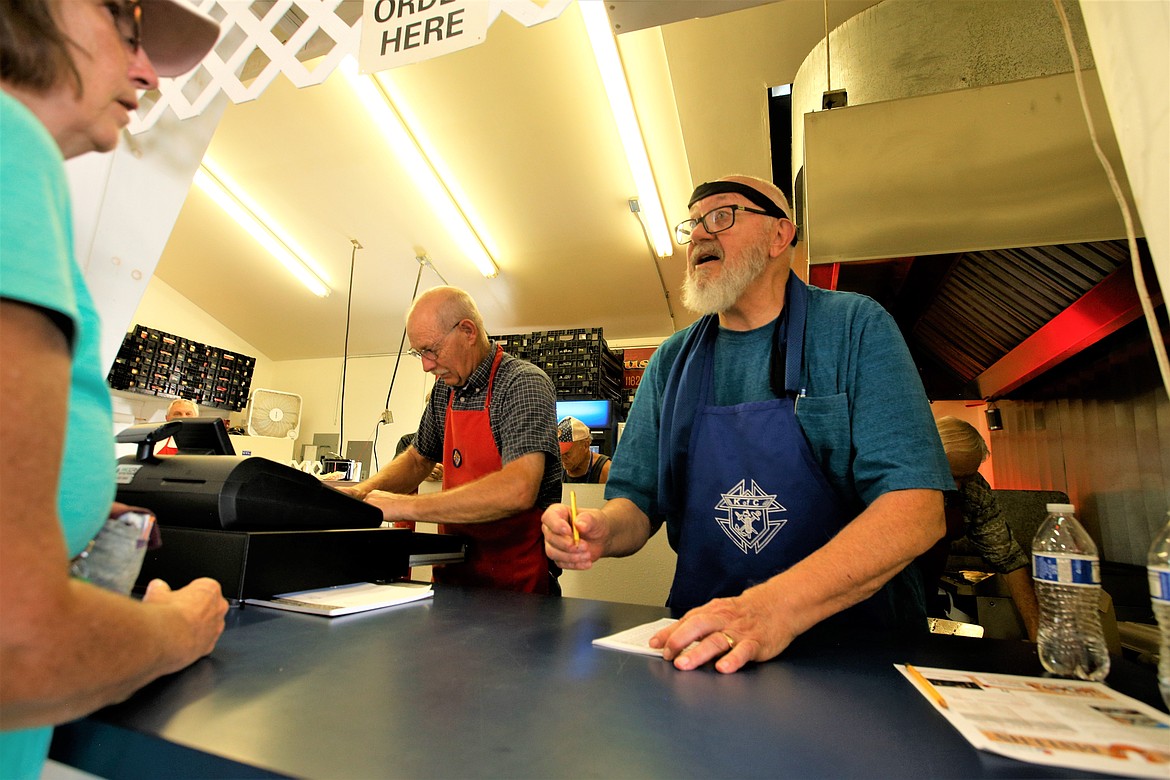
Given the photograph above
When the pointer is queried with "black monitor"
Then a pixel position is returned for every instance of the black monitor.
(203, 436)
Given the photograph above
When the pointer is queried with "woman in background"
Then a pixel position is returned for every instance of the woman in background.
(70, 73)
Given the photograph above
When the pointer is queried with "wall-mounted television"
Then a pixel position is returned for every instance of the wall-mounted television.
(595, 414)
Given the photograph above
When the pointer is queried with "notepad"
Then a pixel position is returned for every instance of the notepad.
(347, 599)
(636, 639)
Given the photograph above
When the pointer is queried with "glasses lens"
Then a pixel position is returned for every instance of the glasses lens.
(127, 17)
(682, 231)
(136, 25)
(719, 219)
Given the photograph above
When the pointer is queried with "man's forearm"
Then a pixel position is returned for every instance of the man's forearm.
(629, 528)
(399, 475)
(497, 495)
(867, 553)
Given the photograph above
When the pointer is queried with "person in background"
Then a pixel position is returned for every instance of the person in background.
(580, 463)
(178, 409)
(70, 73)
(181, 408)
(785, 441)
(982, 522)
(491, 422)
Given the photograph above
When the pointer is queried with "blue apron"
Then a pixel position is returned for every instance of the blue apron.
(755, 499)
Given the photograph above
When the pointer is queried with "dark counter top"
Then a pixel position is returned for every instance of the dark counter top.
(491, 684)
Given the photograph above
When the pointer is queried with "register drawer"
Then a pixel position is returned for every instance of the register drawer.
(259, 564)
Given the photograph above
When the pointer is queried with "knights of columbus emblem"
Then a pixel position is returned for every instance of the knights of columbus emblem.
(751, 520)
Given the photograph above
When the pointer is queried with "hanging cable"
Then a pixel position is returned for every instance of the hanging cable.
(423, 260)
(828, 75)
(1135, 258)
(402, 341)
(345, 349)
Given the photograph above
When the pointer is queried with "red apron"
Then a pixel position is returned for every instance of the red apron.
(167, 448)
(507, 554)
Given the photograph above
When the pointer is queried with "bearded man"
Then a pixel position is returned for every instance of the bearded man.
(785, 441)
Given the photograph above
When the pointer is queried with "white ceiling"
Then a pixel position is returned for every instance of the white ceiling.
(523, 123)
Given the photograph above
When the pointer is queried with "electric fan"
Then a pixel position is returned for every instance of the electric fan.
(274, 413)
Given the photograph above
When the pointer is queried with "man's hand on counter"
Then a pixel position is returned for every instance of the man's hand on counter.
(731, 632)
(357, 491)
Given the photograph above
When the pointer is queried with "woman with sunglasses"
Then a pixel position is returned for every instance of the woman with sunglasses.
(70, 74)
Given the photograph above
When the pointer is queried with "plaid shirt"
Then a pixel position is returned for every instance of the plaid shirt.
(523, 417)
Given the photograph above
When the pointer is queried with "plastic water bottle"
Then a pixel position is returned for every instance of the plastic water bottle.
(1067, 574)
(1158, 564)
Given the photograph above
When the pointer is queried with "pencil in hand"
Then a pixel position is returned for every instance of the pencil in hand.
(573, 516)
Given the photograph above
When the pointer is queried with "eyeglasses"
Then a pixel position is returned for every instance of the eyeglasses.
(432, 353)
(714, 221)
(127, 16)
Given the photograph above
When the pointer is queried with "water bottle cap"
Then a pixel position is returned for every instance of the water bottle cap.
(1061, 508)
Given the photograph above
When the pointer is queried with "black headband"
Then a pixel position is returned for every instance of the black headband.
(709, 188)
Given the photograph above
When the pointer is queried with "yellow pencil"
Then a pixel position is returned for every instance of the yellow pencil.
(573, 516)
(926, 687)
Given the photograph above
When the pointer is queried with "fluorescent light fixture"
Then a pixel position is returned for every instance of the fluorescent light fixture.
(613, 75)
(375, 95)
(229, 197)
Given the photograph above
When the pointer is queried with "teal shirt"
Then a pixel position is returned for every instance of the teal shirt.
(37, 267)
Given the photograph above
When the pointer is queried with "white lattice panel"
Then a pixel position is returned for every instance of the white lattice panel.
(248, 26)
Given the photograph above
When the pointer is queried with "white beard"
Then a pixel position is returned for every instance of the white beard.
(717, 296)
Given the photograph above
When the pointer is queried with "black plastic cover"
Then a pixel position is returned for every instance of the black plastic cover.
(235, 493)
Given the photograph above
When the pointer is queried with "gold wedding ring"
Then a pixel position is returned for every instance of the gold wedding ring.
(730, 641)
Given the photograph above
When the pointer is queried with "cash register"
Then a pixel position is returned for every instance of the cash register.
(258, 526)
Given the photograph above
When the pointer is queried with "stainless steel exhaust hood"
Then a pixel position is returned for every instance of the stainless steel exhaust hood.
(963, 162)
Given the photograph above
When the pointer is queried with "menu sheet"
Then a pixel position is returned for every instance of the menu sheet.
(1041, 720)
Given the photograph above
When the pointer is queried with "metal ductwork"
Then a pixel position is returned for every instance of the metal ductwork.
(960, 188)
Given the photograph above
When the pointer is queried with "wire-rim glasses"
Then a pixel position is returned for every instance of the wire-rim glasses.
(432, 353)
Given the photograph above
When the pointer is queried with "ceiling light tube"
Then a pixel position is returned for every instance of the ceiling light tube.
(613, 75)
(229, 197)
(387, 118)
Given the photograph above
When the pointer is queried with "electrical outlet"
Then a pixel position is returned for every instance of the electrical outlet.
(836, 98)
(387, 417)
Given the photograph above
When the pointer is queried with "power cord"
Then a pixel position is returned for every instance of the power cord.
(1135, 259)
(345, 349)
(423, 261)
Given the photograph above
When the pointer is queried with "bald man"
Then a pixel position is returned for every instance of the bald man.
(178, 409)
(491, 422)
(785, 441)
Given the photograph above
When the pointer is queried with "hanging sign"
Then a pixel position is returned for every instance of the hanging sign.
(399, 32)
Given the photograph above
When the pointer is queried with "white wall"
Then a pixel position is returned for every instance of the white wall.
(119, 233)
(366, 385)
(1133, 62)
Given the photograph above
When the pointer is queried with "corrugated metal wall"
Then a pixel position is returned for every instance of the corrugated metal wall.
(1111, 455)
